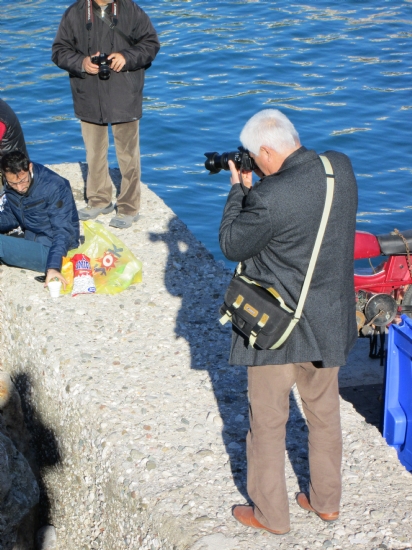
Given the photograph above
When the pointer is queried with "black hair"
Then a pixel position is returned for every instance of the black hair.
(15, 162)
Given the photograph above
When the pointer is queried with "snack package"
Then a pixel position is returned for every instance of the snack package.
(83, 282)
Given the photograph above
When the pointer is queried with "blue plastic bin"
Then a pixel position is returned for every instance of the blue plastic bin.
(397, 415)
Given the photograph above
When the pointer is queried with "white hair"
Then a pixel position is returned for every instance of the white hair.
(272, 128)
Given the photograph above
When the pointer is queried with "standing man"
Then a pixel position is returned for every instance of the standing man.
(272, 231)
(40, 202)
(106, 45)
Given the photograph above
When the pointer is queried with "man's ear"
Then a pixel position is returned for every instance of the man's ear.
(31, 169)
(265, 151)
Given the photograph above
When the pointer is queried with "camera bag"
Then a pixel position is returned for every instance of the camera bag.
(260, 314)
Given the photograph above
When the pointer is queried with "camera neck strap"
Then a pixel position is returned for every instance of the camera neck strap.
(111, 22)
(91, 7)
(242, 185)
(89, 15)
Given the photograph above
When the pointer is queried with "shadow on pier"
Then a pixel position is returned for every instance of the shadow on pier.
(187, 276)
(367, 400)
(22, 423)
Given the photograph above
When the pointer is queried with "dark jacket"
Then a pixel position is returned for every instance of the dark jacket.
(13, 138)
(273, 234)
(118, 99)
(47, 213)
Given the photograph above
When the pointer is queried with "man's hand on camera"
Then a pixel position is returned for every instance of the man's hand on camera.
(118, 61)
(235, 176)
(90, 67)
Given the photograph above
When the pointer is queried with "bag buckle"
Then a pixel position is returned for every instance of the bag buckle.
(230, 310)
(257, 328)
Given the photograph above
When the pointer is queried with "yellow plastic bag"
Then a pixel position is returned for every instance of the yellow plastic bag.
(114, 266)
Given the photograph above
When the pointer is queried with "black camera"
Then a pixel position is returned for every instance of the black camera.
(104, 65)
(243, 161)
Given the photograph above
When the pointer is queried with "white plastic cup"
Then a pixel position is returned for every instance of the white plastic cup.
(54, 288)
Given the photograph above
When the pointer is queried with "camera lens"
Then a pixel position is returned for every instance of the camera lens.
(212, 162)
(234, 156)
(104, 72)
(215, 162)
(241, 159)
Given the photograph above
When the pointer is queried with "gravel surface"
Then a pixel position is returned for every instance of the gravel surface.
(142, 422)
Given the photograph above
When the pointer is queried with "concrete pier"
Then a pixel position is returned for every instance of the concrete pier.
(142, 422)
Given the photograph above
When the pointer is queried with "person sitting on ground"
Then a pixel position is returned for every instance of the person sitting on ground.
(40, 202)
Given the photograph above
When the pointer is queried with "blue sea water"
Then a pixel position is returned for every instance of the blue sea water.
(340, 70)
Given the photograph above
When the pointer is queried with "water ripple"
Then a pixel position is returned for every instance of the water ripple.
(349, 131)
(330, 66)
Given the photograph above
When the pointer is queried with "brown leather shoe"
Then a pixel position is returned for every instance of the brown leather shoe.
(245, 515)
(304, 503)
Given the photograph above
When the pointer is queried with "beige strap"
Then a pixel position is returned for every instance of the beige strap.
(285, 335)
(227, 316)
(276, 294)
(271, 290)
(330, 185)
(253, 335)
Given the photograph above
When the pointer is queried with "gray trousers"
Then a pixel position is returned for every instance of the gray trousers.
(99, 185)
(269, 389)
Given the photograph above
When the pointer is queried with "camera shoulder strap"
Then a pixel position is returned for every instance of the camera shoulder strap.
(330, 186)
(112, 24)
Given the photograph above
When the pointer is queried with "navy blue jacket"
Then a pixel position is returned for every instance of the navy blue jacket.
(47, 213)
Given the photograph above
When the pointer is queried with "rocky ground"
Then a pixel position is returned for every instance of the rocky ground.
(141, 423)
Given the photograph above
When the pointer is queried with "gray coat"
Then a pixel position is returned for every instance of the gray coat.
(273, 230)
(118, 99)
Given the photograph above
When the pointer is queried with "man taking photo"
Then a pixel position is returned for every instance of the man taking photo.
(40, 202)
(105, 46)
(272, 231)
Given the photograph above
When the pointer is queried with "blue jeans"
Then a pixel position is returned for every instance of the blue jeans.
(19, 252)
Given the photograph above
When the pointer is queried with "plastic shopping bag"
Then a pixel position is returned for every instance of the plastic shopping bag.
(113, 264)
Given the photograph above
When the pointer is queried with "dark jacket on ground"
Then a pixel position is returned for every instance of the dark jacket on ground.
(13, 138)
(273, 234)
(47, 213)
(118, 99)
